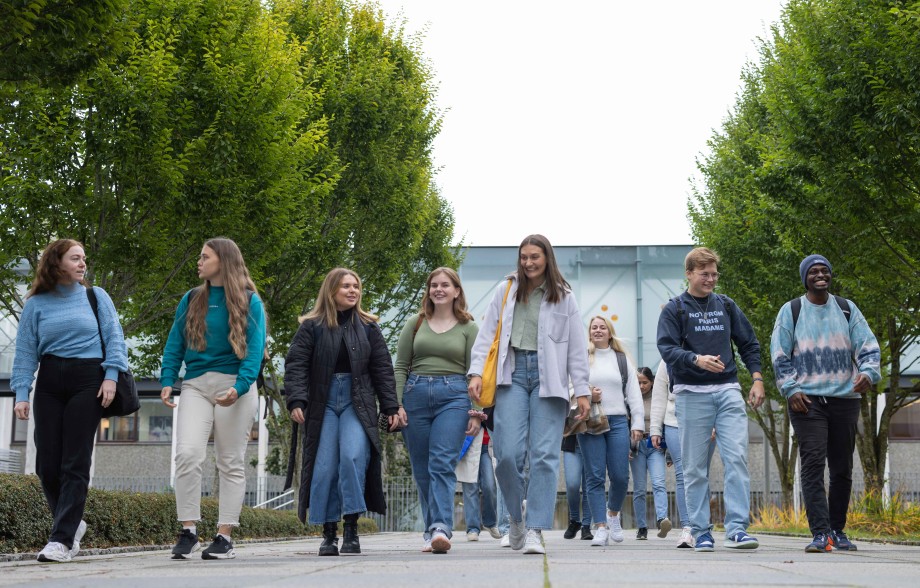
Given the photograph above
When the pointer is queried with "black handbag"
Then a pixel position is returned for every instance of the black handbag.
(126, 400)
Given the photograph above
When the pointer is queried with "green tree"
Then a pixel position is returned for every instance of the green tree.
(836, 171)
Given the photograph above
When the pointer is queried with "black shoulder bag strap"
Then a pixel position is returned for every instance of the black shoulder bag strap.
(94, 304)
(624, 375)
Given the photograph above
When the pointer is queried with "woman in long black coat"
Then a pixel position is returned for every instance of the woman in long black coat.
(337, 370)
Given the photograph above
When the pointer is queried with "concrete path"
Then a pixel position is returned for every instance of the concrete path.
(395, 560)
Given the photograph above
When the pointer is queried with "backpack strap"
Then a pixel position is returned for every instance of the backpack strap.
(624, 375)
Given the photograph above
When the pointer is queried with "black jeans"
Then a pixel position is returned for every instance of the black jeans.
(67, 414)
(827, 433)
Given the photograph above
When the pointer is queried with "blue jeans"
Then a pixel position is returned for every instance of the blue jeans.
(437, 408)
(342, 457)
(697, 415)
(475, 518)
(575, 487)
(673, 433)
(528, 426)
(651, 461)
(504, 520)
(607, 453)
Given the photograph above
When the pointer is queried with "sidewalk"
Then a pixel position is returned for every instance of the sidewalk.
(395, 560)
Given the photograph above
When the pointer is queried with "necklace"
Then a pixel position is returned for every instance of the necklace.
(440, 327)
(702, 310)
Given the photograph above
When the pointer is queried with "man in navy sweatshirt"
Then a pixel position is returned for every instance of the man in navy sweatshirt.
(695, 335)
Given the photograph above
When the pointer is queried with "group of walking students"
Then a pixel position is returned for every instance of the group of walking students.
(340, 383)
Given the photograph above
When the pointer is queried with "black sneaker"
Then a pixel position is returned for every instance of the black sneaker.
(572, 530)
(841, 541)
(586, 533)
(186, 545)
(642, 534)
(220, 548)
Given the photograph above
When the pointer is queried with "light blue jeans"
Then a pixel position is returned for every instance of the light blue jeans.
(437, 408)
(528, 425)
(575, 487)
(673, 433)
(648, 460)
(606, 454)
(478, 512)
(697, 415)
(342, 457)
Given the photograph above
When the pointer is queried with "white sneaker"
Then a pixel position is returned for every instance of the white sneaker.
(506, 540)
(496, 534)
(78, 536)
(533, 543)
(440, 543)
(54, 551)
(600, 537)
(426, 548)
(472, 536)
(686, 539)
(614, 528)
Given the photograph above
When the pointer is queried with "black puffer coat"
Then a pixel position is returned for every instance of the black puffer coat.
(308, 370)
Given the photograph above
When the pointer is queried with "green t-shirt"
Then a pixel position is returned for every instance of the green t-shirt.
(433, 354)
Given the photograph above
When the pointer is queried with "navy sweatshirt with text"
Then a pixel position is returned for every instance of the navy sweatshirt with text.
(706, 330)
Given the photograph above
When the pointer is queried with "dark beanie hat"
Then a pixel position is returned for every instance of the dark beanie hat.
(813, 260)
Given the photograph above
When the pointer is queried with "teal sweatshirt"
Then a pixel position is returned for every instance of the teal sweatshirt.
(218, 355)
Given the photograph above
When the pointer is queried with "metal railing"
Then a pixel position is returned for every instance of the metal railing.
(10, 461)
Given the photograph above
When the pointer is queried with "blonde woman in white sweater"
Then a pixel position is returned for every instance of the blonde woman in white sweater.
(608, 453)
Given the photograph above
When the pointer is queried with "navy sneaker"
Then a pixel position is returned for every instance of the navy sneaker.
(841, 541)
(220, 548)
(820, 544)
(186, 545)
(704, 542)
(741, 540)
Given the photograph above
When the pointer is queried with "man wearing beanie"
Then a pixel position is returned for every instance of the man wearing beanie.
(824, 357)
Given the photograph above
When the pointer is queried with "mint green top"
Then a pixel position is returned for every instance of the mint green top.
(433, 354)
(526, 321)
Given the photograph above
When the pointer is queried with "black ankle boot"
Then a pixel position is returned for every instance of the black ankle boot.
(350, 543)
(329, 546)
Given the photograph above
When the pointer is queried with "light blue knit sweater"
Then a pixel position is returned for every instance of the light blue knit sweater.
(61, 323)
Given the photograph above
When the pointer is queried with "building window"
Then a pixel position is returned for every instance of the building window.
(151, 424)
(905, 424)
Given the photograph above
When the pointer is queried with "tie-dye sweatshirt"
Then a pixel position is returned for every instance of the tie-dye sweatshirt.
(825, 354)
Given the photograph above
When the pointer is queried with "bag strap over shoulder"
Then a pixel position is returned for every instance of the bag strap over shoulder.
(94, 304)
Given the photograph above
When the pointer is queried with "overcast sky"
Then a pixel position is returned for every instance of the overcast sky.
(581, 120)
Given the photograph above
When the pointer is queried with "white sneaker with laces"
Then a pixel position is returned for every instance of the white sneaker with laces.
(600, 537)
(472, 536)
(533, 542)
(686, 539)
(54, 551)
(494, 532)
(614, 528)
(426, 548)
(506, 540)
(78, 536)
(440, 542)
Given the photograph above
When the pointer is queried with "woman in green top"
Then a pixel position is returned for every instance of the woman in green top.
(431, 364)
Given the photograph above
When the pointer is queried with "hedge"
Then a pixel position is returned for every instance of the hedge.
(118, 518)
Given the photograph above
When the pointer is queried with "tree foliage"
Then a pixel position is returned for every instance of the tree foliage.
(820, 155)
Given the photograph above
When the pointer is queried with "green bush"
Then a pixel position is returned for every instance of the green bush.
(116, 518)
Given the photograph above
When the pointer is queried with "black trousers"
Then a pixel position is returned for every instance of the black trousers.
(67, 414)
(827, 434)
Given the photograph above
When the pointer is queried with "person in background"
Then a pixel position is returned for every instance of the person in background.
(824, 359)
(432, 357)
(649, 460)
(337, 370)
(60, 336)
(575, 490)
(480, 513)
(607, 454)
(219, 334)
(539, 354)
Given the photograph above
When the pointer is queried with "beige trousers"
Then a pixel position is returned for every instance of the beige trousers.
(198, 413)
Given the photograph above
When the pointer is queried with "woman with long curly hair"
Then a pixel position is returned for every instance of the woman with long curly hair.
(78, 358)
(219, 333)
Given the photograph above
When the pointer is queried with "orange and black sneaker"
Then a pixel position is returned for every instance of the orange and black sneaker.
(820, 544)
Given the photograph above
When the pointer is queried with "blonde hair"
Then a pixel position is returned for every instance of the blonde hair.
(325, 309)
(614, 341)
(700, 257)
(237, 285)
(460, 311)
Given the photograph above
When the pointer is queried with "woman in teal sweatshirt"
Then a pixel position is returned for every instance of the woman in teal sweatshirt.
(219, 334)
